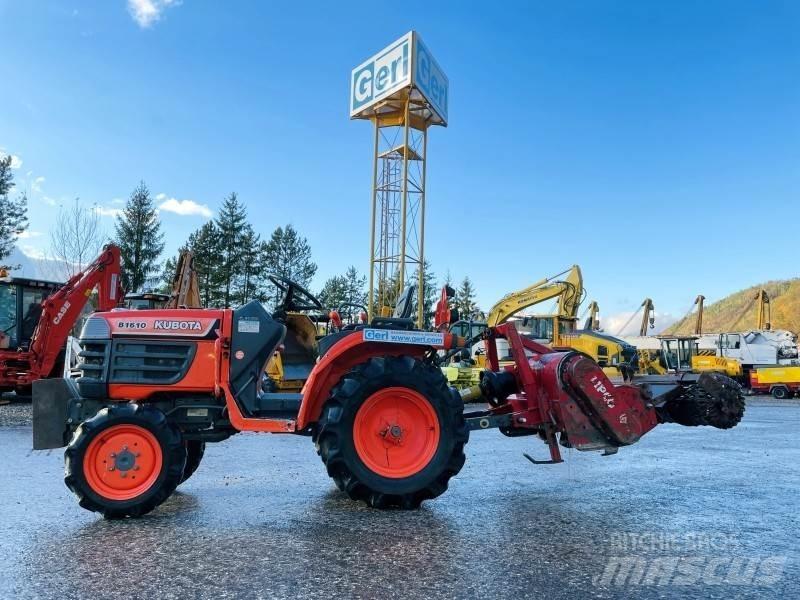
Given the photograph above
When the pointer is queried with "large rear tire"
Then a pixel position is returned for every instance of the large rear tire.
(124, 461)
(392, 433)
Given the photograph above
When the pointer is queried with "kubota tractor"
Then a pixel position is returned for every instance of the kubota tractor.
(156, 386)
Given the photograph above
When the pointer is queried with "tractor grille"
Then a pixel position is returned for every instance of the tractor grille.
(127, 361)
(149, 362)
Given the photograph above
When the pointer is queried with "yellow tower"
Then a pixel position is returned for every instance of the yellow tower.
(403, 91)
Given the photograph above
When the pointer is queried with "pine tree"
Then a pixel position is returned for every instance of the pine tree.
(139, 237)
(250, 278)
(230, 224)
(355, 287)
(348, 289)
(13, 211)
(334, 292)
(465, 300)
(288, 255)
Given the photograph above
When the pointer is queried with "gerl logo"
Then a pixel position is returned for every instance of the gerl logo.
(385, 72)
(385, 77)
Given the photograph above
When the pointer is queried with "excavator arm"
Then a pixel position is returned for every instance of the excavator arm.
(185, 289)
(61, 310)
(569, 292)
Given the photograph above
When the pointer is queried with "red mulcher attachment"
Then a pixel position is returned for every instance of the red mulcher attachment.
(549, 392)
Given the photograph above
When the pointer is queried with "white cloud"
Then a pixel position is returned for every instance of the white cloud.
(148, 12)
(49, 201)
(117, 201)
(107, 211)
(183, 207)
(26, 235)
(32, 251)
(36, 184)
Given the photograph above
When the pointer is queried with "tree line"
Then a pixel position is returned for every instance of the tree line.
(233, 262)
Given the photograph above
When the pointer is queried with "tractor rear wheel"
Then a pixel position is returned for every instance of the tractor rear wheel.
(194, 454)
(392, 433)
(124, 461)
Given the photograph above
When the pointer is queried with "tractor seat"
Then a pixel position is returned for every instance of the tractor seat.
(406, 324)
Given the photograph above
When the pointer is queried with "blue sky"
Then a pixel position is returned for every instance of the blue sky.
(656, 144)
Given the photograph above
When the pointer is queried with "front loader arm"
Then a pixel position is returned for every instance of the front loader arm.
(61, 310)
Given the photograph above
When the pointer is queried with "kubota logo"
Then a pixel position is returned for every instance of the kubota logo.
(61, 312)
(177, 325)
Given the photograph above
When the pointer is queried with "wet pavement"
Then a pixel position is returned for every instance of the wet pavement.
(690, 512)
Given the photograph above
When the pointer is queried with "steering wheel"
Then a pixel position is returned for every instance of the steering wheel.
(296, 298)
(345, 305)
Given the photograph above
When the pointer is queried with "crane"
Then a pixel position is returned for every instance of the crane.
(764, 310)
(648, 316)
(698, 323)
(592, 322)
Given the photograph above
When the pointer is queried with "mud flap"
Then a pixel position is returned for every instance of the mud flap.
(51, 400)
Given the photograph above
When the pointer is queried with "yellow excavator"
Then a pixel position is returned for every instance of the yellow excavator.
(185, 291)
(592, 322)
(557, 330)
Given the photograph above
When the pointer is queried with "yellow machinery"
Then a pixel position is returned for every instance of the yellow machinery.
(764, 310)
(648, 316)
(558, 330)
(185, 289)
(698, 324)
(593, 320)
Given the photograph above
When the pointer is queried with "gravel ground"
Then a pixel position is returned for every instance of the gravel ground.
(690, 512)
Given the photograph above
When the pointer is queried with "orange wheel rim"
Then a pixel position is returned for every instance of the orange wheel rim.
(396, 432)
(122, 462)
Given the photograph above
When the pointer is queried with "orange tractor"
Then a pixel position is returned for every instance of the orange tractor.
(153, 387)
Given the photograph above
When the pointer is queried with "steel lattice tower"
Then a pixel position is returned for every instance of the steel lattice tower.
(403, 91)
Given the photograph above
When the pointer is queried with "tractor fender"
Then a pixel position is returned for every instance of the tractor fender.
(345, 354)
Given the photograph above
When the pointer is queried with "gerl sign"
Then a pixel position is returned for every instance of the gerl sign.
(405, 63)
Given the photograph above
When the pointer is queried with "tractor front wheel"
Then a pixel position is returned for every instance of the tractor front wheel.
(124, 461)
(392, 433)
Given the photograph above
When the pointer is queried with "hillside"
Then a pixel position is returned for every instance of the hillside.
(722, 315)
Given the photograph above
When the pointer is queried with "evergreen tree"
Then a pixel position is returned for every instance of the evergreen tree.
(250, 278)
(231, 224)
(287, 254)
(204, 246)
(13, 211)
(334, 292)
(349, 289)
(465, 300)
(139, 237)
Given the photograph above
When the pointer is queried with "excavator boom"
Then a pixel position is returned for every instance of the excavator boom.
(185, 289)
(60, 311)
(569, 292)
